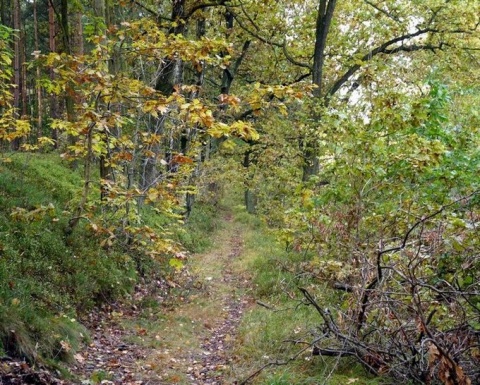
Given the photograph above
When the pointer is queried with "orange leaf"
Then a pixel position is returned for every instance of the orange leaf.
(182, 159)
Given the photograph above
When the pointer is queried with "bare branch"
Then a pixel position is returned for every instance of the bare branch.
(381, 10)
(366, 293)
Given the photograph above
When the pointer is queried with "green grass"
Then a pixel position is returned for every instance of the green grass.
(196, 235)
(47, 278)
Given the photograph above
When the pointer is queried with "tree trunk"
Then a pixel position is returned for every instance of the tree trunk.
(324, 19)
(169, 76)
(228, 77)
(250, 201)
(17, 66)
(311, 163)
(190, 133)
(67, 48)
(77, 34)
(52, 32)
(38, 74)
(4, 15)
(250, 196)
(309, 146)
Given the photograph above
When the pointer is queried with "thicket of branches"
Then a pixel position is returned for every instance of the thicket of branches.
(413, 311)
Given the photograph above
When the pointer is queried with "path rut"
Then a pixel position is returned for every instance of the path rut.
(188, 343)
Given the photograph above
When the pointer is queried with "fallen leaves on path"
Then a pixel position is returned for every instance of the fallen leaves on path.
(14, 372)
(109, 358)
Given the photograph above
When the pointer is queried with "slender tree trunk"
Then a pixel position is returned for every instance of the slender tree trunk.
(250, 196)
(324, 20)
(309, 146)
(99, 8)
(3, 12)
(228, 77)
(169, 76)
(65, 27)
(17, 66)
(52, 31)
(67, 48)
(190, 133)
(37, 85)
(77, 33)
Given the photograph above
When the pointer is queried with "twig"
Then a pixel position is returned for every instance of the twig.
(273, 363)
(265, 305)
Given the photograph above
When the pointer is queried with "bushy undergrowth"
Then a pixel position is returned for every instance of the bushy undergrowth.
(48, 278)
(277, 332)
(200, 224)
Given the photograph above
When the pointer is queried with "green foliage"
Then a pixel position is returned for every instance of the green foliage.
(11, 128)
(48, 278)
(150, 99)
(195, 236)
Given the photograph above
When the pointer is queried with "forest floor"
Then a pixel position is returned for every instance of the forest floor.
(200, 326)
(173, 331)
(180, 331)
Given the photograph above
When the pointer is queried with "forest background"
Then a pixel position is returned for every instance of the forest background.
(353, 128)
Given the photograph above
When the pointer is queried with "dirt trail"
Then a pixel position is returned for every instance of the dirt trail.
(216, 356)
(187, 340)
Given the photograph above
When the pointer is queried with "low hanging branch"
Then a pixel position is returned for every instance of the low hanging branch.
(394, 330)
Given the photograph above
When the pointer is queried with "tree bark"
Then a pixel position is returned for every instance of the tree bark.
(17, 66)
(309, 146)
(169, 76)
(250, 196)
(52, 31)
(38, 87)
(325, 12)
(4, 16)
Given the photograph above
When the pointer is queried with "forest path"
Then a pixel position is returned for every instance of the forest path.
(184, 337)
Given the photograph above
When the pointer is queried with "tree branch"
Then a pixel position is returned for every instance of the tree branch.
(292, 60)
(197, 7)
(367, 291)
(254, 34)
(369, 56)
(384, 49)
(150, 11)
(381, 10)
